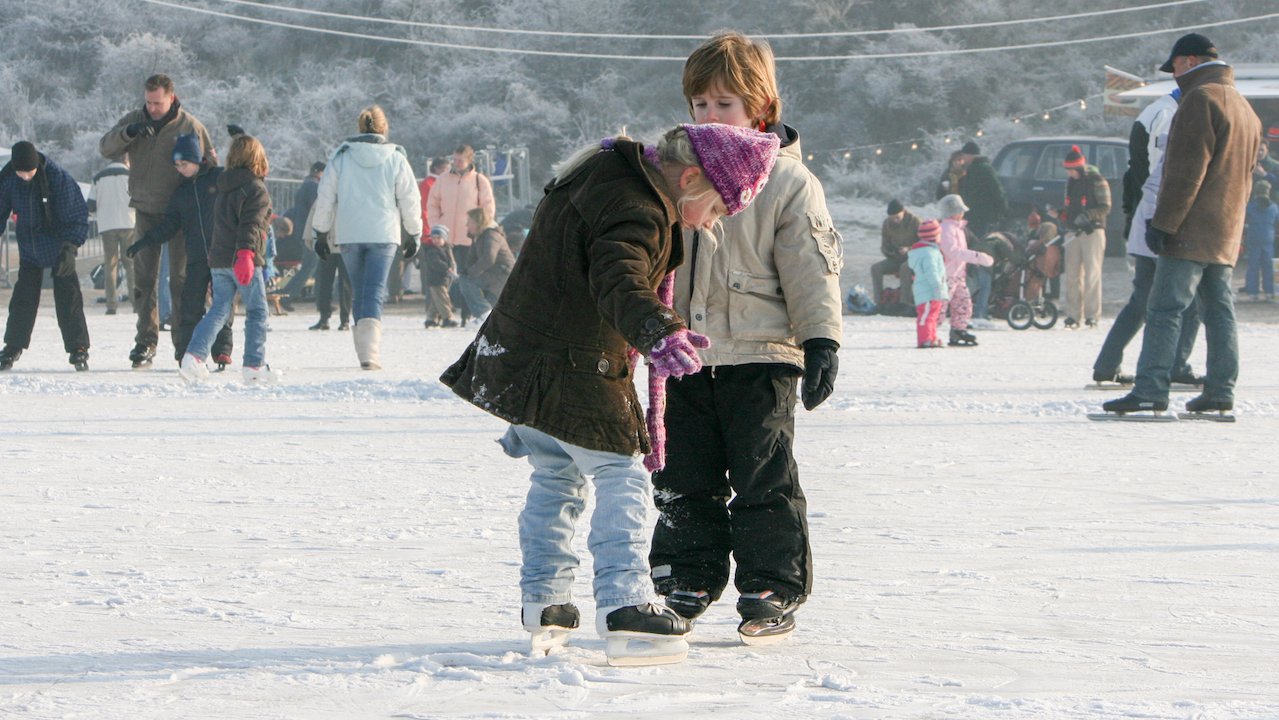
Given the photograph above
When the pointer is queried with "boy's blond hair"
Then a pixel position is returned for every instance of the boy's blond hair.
(740, 66)
(247, 152)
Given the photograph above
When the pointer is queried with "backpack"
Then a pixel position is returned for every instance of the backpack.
(859, 302)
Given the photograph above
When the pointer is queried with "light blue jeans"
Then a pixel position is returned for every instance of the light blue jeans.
(557, 495)
(253, 296)
(1176, 284)
(368, 265)
(478, 300)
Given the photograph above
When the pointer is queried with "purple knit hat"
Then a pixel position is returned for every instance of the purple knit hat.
(736, 160)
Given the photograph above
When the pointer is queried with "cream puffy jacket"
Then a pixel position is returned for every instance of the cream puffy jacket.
(771, 280)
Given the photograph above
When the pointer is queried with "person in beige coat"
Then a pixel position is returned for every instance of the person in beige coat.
(455, 192)
(147, 135)
(1197, 228)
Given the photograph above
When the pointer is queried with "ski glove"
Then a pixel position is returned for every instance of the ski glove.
(139, 129)
(144, 242)
(322, 245)
(66, 260)
(1156, 239)
(821, 365)
(1084, 224)
(983, 259)
(408, 245)
(243, 267)
(676, 354)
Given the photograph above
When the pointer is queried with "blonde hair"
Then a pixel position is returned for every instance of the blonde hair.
(247, 152)
(481, 217)
(372, 120)
(740, 66)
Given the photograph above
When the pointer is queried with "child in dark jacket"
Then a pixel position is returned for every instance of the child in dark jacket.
(241, 216)
(438, 270)
(1260, 219)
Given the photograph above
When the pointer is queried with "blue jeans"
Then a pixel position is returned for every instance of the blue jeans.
(478, 300)
(165, 299)
(557, 495)
(253, 296)
(1133, 316)
(368, 264)
(1176, 284)
(1261, 260)
(979, 281)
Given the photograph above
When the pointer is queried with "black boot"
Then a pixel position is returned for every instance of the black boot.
(962, 338)
(142, 355)
(323, 324)
(766, 617)
(80, 358)
(688, 604)
(1188, 378)
(8, 356)
(1203, 404)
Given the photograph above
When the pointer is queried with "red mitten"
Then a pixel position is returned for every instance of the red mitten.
(243, 267)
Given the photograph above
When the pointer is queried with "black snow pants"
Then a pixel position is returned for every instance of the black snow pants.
(731, 486)
(67, 301)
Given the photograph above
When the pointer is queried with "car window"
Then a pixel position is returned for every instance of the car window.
(1050, 161)
(1018, 161)
(1112, 160)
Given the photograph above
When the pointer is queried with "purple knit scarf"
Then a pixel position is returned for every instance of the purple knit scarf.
(656, 417)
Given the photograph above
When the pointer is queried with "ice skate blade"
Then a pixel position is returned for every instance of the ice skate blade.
(764, 640)
(1135, 416)
(625, 649)
(1213, 416)
(1174, 387)
(546, 640)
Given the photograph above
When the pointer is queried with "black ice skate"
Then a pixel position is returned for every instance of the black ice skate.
(1113, 380)
(645, 634)
(688, 604)
(1134, 409)
(8, 356)
(767, 617)
(1204, 408)
(142, 356)
(962, 338)
(1188, 380)
(549, 625)
(80, 358)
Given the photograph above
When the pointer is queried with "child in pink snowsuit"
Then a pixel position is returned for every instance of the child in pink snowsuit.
(954, 248)
(931, 294)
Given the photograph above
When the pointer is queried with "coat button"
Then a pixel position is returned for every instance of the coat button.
(602, 365)
(737, 286)
(651, 324)
(698, 316)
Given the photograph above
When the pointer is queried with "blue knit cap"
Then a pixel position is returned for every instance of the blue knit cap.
(187, 147)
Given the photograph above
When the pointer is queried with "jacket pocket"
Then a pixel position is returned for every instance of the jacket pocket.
(593, 384)
(829, 242)
(757, 307)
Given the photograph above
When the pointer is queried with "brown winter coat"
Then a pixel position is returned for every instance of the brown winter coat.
(1212, 148)
(552, 355)
(240, 217)
(152, 177)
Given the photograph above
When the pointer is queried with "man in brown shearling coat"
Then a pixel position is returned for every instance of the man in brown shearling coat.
(1197, 228)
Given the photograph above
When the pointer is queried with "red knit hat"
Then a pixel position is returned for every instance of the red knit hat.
(736, 160)
(929, 231)
(1074, 159)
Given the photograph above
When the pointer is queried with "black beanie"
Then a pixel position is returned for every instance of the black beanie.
(970, 148)
(894, 207)
(25, 157)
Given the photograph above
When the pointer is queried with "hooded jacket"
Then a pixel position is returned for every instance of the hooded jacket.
(368, 194)
(152, 177)
(926, 262)
(51, 211)
(553, 353)
(1207, 178)
(772, 280)
(240, 218)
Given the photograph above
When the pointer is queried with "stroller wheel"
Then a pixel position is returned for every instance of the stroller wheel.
(1021, 315)
(1045, 315)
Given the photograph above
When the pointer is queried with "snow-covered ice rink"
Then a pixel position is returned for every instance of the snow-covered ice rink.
(342, 545)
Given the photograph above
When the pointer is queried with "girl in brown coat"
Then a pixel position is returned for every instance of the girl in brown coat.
(552, 360)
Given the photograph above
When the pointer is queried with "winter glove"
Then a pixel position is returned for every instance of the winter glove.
(821, 365)
(322, 245)
(144, 242)
(984, 259)
(1084, 224)
(676, 354)
(66, 260)
(139, 129)
(408, 245)
(1156, 239)
(243, 267)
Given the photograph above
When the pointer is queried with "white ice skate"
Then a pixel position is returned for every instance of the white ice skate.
(548, 625)
(261, 375)
(193, 370)
(647, 634)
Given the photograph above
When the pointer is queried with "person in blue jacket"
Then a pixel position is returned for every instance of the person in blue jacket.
(53, 222)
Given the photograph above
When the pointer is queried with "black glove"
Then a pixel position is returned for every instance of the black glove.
(1084, 224)
(322, 245)
(821, 365)
(142, 128)
(144, 241)
(408, 244)
(66, 260)
(1157, 239)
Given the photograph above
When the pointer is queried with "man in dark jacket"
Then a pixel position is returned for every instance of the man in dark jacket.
(1086, 208)
(190, 211)
(301, 210)
(896, 235)
(982, 193)
(1197, 228)
(53, 222)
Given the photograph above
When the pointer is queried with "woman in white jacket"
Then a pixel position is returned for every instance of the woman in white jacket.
(369, 197)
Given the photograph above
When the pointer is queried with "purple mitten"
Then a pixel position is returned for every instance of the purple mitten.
(676, 354)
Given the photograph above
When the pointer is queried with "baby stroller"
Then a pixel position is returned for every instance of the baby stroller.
(1018, 277)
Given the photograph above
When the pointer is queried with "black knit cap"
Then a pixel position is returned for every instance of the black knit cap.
(970, 148)
(1190, 44)
(894, 206)
(25, 157)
